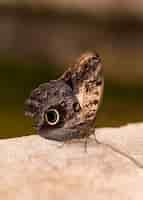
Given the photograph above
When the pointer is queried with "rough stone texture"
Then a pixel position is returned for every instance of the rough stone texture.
(33, 168)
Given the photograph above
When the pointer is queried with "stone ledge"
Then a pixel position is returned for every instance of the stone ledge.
(34, 168)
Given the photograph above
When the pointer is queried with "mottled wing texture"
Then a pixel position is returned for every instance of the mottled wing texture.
(86, 79)
(71, 102)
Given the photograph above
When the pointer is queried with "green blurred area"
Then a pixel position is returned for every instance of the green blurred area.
(121, 105)
(16, 82)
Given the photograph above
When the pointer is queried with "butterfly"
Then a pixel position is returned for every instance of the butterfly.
(66, 108)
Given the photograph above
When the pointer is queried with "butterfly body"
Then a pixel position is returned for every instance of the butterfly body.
(66, 108)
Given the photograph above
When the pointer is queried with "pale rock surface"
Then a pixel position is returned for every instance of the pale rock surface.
(32, 168)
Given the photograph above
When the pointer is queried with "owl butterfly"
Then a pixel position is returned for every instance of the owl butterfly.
(66, 108)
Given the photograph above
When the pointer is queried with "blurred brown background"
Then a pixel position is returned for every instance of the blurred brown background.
(39, 39)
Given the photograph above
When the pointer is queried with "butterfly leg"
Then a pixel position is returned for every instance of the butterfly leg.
(85, 144)
(95, 138)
